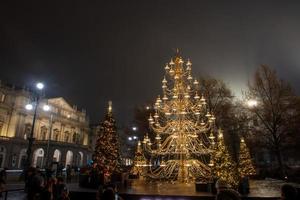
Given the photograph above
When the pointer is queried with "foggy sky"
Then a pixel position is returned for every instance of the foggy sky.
(90, 52)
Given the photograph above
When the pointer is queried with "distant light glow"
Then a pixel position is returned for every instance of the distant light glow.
(40, 86)
(134, 128)
(147, 107)
(134, 137)
(29, 107)
(252, 103)
(129, 138)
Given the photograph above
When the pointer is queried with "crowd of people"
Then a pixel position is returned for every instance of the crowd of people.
(44, 187)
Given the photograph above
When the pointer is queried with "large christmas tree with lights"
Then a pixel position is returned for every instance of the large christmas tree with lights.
(106, 157)
(245, 165)
(183, 128)
(139, 161)
(222, 165)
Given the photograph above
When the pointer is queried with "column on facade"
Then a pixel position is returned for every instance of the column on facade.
(85, 137)
(62, 132)
(37, 129)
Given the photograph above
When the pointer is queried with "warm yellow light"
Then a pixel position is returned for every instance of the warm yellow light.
(252, 103)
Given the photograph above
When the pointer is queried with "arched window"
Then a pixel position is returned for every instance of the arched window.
(80, 159)
(38, 157)
(56, 155)
(22, 158)
(69, 158)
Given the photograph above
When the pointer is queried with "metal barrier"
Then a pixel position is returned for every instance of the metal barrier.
(12, 190)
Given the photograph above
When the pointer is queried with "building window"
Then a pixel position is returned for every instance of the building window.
(2, 155)
(14, 160)
(74, 140)
(56, 134)
(27, 131)
(1, 126)
(67, 136)
(43, 133)
(2, 97)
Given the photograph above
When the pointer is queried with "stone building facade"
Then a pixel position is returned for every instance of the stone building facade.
(66, 143)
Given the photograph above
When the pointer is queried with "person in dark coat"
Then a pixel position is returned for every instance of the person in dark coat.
(35, 184)
(2, 181)
(288, 192)
(69, 173)
(60, 190)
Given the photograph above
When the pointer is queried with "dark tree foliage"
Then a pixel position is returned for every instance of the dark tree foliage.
(221, 103)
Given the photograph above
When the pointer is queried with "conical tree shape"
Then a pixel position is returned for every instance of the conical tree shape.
(245, 166)
(181, 124)
(139, 161)
(223, 167)
(106, 156)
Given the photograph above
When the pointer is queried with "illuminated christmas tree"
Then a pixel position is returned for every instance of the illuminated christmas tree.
(223, 167)
(139, 161)
(245, 166)
(183, 128)
(106, 156)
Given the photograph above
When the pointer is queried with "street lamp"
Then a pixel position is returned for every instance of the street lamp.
(39, 87)
(29, 107)
(46, 108)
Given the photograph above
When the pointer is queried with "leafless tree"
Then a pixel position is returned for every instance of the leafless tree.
(275, 110)
(221, 103)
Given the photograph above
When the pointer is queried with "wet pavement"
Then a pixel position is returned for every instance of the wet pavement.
(259, 188)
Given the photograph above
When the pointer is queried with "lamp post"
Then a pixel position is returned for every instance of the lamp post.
(39, 87)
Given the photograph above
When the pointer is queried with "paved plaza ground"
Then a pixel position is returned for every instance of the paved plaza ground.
(259, 188)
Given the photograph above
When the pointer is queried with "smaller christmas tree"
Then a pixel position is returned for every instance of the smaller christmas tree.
(245, 166)
(139, 162)
(223, 167)
(106, 156)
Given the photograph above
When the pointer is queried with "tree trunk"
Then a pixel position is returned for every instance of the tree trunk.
(280, 162)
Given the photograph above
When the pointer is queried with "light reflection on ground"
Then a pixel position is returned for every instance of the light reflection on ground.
(258, 188)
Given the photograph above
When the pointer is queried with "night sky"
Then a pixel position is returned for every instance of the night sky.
(90, 52)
